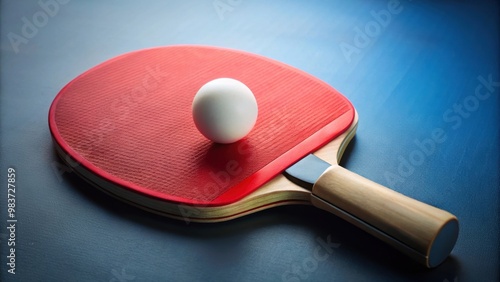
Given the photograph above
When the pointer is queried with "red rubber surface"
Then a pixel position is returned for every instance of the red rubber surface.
(128, 120)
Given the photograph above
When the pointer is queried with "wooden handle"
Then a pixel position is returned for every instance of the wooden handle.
(425, 233)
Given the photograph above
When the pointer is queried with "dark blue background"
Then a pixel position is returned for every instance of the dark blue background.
(404, 81)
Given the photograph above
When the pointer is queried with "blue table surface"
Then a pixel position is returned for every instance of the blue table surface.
(416, 71)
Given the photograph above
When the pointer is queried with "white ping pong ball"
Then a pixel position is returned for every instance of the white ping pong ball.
(224, 110)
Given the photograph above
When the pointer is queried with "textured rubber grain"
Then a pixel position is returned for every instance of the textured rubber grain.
(128, 120)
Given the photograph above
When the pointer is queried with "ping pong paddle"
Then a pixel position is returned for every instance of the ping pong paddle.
(125, 126)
